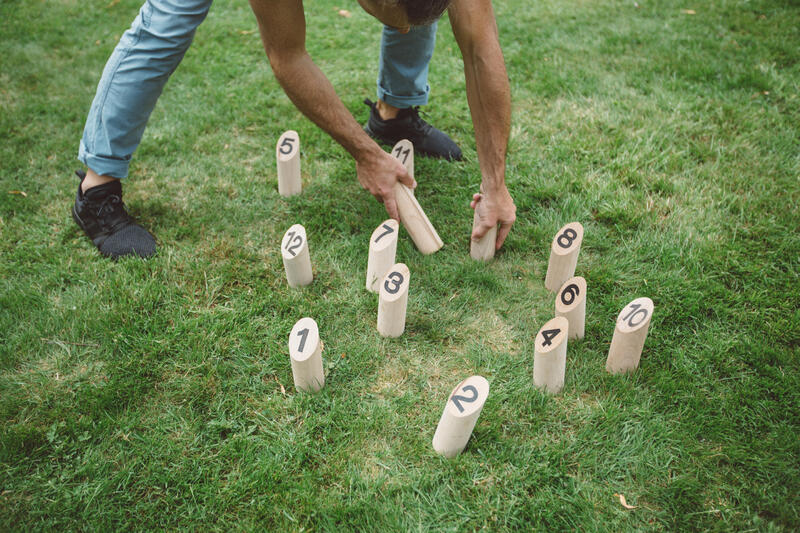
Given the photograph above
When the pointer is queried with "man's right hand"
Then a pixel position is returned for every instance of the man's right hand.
(378, 172)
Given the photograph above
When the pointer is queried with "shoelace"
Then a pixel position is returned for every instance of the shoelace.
(109, 204)
(416, 120)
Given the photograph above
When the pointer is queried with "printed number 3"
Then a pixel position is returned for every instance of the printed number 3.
(457, 399)
(397, 279)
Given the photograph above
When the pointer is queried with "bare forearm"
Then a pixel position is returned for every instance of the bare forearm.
(312, 93)
(489, 99)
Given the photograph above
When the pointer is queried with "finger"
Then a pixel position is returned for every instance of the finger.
(502, 233)
(476, 198)
(407, 180)
(391, 207)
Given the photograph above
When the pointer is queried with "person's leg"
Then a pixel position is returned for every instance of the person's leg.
(133, 78)
(402, 86)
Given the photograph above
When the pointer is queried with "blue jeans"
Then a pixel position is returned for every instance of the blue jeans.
(150, 51)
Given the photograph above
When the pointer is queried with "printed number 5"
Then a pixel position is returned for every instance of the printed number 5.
(287, 143)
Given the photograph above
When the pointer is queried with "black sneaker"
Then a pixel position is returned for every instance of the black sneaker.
(427, 140)
(101, 214)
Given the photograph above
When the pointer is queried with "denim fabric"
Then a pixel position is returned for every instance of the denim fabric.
(151, 49)
(133, 78)
(403, 65)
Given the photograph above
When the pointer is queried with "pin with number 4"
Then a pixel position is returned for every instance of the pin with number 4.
(460, 416)
(550, 355)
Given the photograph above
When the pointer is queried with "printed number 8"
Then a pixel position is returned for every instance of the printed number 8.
(569, 236)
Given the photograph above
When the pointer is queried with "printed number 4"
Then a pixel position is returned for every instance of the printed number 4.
(457, 399)
(549, 335)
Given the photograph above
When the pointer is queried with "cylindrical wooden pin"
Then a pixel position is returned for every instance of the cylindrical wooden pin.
(305, 352)
(629, 336)
(287, 153)
(296, 259)
(550, 355)
(571, 304)
(412, 216)
(482, 249)
(392, 301)
(563, 255)
(382, 251)
(460, 415)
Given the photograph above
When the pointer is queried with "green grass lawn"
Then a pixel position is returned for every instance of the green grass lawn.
(158, 394)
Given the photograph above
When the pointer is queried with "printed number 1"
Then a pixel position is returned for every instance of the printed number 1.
(303, 334)
(405, 153)
(457, 399)
(388, 229)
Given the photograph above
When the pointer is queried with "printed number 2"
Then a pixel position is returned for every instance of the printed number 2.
(635, 311)
(303, 334)
(292, 246)
(404, 153)
(549, 335)
(388, 229)
(287, 143)
(466, 399)
(397, 279)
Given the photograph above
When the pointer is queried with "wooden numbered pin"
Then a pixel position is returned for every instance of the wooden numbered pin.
(629, 336)
(411, 214)
(563, 255)
(382, 251)
(287, 153)
(550, 355)
(392, 301)
(460, 415)
(305, 351)
(571, 304)
(296, 259)
(482, 249)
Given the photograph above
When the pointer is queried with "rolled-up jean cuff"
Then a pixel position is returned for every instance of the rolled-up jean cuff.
(104, 166)
(403, 102)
